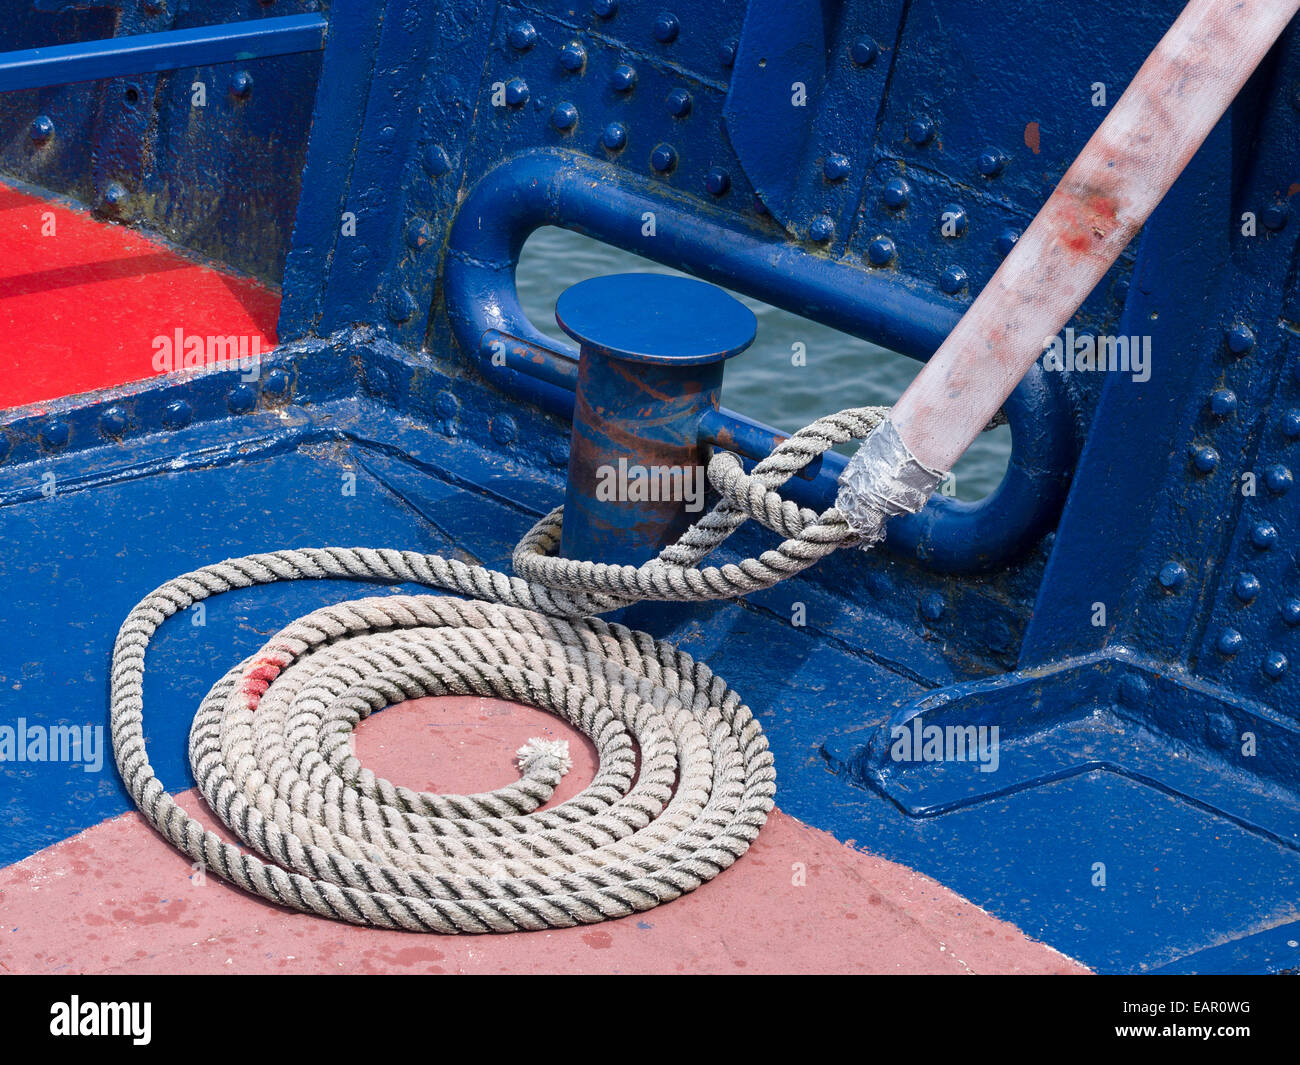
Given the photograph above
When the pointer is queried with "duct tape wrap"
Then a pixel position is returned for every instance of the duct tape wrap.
(881, 480)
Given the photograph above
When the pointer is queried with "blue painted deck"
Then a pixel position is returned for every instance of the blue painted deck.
(1179, 880)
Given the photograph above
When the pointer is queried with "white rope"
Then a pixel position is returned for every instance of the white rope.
(269, 744)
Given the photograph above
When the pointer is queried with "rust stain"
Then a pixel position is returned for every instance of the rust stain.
(1031, 137)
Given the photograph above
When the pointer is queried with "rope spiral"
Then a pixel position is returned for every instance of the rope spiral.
(685, 779)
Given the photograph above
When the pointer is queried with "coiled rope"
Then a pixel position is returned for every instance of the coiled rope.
(269, 743)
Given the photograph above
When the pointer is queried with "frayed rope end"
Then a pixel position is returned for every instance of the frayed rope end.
(539, 754)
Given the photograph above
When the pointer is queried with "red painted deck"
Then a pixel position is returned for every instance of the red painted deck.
(80, 301)
(117, 898)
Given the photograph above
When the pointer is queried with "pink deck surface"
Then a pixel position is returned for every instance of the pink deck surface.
(117, 898)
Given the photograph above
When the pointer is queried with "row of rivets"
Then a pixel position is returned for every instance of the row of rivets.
(564, 116)
(114, 422)
(666, 27)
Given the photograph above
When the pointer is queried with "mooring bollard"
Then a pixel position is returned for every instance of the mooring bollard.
(651, 354)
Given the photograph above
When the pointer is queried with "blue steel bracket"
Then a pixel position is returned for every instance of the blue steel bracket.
(806, 72)
(545, 187)
(1127, 714)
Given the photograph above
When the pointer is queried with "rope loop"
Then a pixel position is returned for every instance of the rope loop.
(685, 780)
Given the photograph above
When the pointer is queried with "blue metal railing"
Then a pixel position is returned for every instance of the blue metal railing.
(148, 53)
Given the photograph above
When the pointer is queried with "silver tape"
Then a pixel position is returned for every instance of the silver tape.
(882, 479)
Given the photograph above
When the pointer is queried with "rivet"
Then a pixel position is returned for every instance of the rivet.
(864, 51)
(727, 54)
(131, 95)
(42, 128)
(1263, 535)
(664, 158)
(1246, 587)
(445, 406)
(504, 429)
(55, 433)
(1229, 642)
(1223, 401)
(717, 181)
(516, 92)
(418, 234)
(932, 606)
(881, 251)
(522, 36)
(115, 196)
(277, 382)
(1291, 611)
(920, 130)
(822, 228)
(1278, 478)
(113, 422)
(896, 193)
(241, 84)
(1203, 457)
(1239, 338)
(836, 167)
(177, 414)
(565, 116)
(615, 136)
(666, 28)
(992, 162)
(679, 103)
(558, 452)
(573, 57)
(1006, 241)
(953, 221)
(953, 280)
(623, 79)
(1221, 731)
(604, 8)
(1275, 665)
(1291, 424)
(1172, 576)
(1275, 216)
(242, 399)
(436, 161)
(401, 305)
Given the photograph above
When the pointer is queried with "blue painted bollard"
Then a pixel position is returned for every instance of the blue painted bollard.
(650, 367)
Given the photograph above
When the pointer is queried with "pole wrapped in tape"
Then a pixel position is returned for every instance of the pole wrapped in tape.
(883, 479)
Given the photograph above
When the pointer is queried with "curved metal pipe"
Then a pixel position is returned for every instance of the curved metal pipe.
(547, 187)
